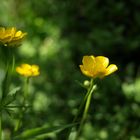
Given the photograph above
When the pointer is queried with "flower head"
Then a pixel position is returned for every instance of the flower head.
(28, 70)
(97, 67)
(10, 36)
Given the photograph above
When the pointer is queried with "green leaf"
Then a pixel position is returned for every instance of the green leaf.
(11, 96)
(35, 132)
(15, 90)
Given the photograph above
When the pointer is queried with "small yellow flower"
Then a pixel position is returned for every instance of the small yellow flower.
(10, 36)
(28, 70)
(97, 67)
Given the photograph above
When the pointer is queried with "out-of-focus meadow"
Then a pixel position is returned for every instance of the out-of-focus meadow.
(60, 33)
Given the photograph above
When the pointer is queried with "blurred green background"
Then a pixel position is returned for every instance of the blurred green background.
(60, 33)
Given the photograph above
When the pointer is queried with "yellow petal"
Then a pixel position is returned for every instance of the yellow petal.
(35, 73)
(10, 32)
(35, 70)
(18, 34)
(88, 63)
(110, 69)
(27, 73)
(8, 35)
(2, 31)
(35, 67)
(26, 66)
(19, 70)
(84, 71)
(102, 61)
(16, 40)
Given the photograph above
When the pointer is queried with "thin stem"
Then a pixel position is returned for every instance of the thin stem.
(17, 125)
(85, 98)
(89, 95)
(26, 88)
(13, 63)
(79, 110)
(25, 94)
(0, 126)
(81, 107)
(9, 68)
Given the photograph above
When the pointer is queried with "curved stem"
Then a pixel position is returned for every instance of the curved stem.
(79, 110)
(81, 107)
(88, 100)
(85, 98)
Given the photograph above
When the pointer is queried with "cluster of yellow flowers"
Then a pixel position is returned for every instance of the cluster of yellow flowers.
(10, 36)
(94, 67)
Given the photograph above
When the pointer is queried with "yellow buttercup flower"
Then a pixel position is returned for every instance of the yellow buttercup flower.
(10, 36)
(28, 70)
(97, 67)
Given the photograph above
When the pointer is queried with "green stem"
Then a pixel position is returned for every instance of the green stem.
(80, 108)
(85, 98)
(17, 125)
(0, 126)
(79, 111)
(13, 63)
(88, 100)
(9, 68)
(25, 94)
(26, 88)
